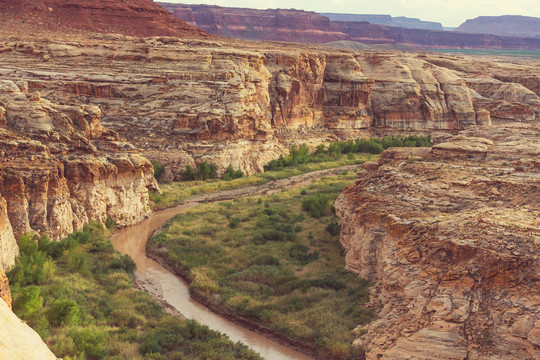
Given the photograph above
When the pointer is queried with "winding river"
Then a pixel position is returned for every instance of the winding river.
(174, 291)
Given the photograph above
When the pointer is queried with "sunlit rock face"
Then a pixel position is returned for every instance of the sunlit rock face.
(244, 103)
(59, 169)
(450, 237)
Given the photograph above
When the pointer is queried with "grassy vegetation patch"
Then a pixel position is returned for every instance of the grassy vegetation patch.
(174, 193)
(78, 295)
(274, 260)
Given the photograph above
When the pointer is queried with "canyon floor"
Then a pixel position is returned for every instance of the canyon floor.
(449, 235)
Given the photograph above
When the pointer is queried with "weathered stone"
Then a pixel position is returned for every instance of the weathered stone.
(18, 341)
(472, 290)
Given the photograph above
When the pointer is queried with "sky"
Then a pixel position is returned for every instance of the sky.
(450, 13)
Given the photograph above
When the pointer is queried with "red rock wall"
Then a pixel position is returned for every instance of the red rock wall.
(431, 39)
(128, 17)
(274, 25)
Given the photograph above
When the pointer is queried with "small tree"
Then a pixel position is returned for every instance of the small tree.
(158, 169)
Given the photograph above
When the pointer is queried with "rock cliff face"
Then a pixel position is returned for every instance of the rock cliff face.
(313, 28)
(367, 33)
(5, 294)
(128, 17)
(185, 101)
(272, 24)
(507, 25)
(450, 236)
(59, 168)
(18, 341)
(387, 20)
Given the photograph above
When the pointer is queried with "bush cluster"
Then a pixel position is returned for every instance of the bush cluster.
(207, 170)
(301, 155)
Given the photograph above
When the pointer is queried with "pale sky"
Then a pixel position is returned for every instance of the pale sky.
(448, 12)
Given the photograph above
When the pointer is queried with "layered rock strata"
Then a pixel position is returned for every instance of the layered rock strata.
(312, 28)
(507, 25)
(127, 17)
(242, 103)
(450, 237)
(271, 24)
(59, 169)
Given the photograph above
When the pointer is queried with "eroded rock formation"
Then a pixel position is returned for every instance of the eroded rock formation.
(59, 169)
(367, 33)
(312, 28)
(185, 101)
(272, 24)
(450, 236)
(127, 17)
(506, 25)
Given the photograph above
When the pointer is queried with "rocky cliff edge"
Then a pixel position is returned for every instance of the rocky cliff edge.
(450, 237)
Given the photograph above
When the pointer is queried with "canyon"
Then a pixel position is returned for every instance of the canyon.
(313, 28)
(82, 114)
(183, 101)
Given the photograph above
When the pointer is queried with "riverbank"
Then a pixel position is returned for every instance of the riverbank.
(314, 280)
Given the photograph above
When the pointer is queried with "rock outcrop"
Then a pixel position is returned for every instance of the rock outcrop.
(59, 169)
(186, 101)
(127, 17)
(507, 25)
(387, 20)
(18, 341)
(450, 236)
(367, 33)
(271, 24)
(5, 293)
(312, 28)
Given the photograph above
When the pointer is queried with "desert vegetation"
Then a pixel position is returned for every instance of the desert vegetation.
(275, 260)
(176, 192)
(335, 150)
(78, 295)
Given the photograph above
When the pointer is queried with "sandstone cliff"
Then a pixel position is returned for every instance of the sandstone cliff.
(18, 341)
(271, 24)
(367, 33)
(59, 168)
(450, 236)
(312, 28)
(244, 103)
(128, 17)
(387, 20)
(507, 25)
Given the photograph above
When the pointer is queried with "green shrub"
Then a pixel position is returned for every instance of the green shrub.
(188, 174)
(63, 312)
(125, 263)
(231, 174)
(110, 223)
(234, 222)
(302, 254)
(265, 259)
(27, 301)
(206, 171)
(316, 205)
(158, 169)
(328, 282)
(77, 262)
(90, 342)
(333, 228)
